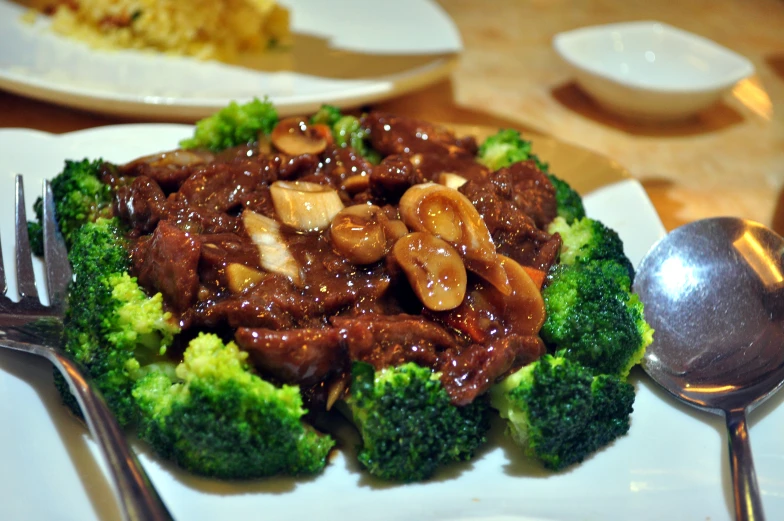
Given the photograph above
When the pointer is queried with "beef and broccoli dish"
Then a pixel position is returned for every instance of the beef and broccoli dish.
(271, 271)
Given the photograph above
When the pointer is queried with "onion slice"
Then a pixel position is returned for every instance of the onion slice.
(304, 206)
(274, 254)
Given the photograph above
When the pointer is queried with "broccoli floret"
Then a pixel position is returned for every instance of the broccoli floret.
(112, 328)
(560, 413)
(562, 408)
(233, 125)
(347, 131)
(587, 240)
(569, 203)
(79, 197)
(505, 148)
(216, 418)
(408, 425)
(326, 115)
(593, 318)
(35, 231)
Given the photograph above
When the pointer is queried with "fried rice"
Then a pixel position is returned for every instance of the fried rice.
(206, 29)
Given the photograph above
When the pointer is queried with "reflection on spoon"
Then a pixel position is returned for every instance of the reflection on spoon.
(714, 293)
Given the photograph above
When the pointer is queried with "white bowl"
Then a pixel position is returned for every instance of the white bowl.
(650, 70)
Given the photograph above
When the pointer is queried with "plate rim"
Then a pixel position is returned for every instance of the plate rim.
(98, 99)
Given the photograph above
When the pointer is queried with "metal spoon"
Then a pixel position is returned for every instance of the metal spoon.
(714, 293)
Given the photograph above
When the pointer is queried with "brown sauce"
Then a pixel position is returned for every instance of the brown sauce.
(185, 212)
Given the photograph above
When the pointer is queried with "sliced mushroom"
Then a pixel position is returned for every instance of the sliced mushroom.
(274, 254)
(358, 233)
(448, 214)
(433, 268)
(307, 207)
(294, 136)
(242, 277)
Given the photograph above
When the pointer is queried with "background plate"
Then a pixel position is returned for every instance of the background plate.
(672, 465)
(344, 52)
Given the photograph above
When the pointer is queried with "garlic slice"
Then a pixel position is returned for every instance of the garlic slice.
(335, 391)
(433, 268)
(358, 233)
(450, 215)
(524, 307)
(273, 251)
(451, 180)
(304, 206)
(242, 277)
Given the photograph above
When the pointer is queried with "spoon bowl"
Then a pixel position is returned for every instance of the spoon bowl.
(713, 291)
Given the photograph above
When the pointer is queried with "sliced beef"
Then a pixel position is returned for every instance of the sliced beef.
(515, 204)
(470, 372)
(298, 167)
(402, 135)
(392, 177)
(302, 356)
(220, 309)
(391, 340)
(338, 164)
(170, 265)
(220, 186)
(431, 166)
(168, 169)
(140, 205)
(530, 190)
(198, 220)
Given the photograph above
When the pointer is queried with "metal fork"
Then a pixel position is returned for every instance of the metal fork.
(31, 327)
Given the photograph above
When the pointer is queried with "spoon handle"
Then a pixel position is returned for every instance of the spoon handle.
(748, 506)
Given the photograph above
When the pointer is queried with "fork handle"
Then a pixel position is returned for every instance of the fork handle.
(138, 498)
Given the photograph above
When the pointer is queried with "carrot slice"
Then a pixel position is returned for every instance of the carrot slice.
(536, 275)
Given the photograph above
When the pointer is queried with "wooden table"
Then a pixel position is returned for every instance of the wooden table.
(727, 161)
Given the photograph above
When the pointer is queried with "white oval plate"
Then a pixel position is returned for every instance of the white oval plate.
(672, 465)
(345, 52)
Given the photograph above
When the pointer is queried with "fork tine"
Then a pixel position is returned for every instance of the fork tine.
(58, 269)
(25, 277)
(3, 285)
